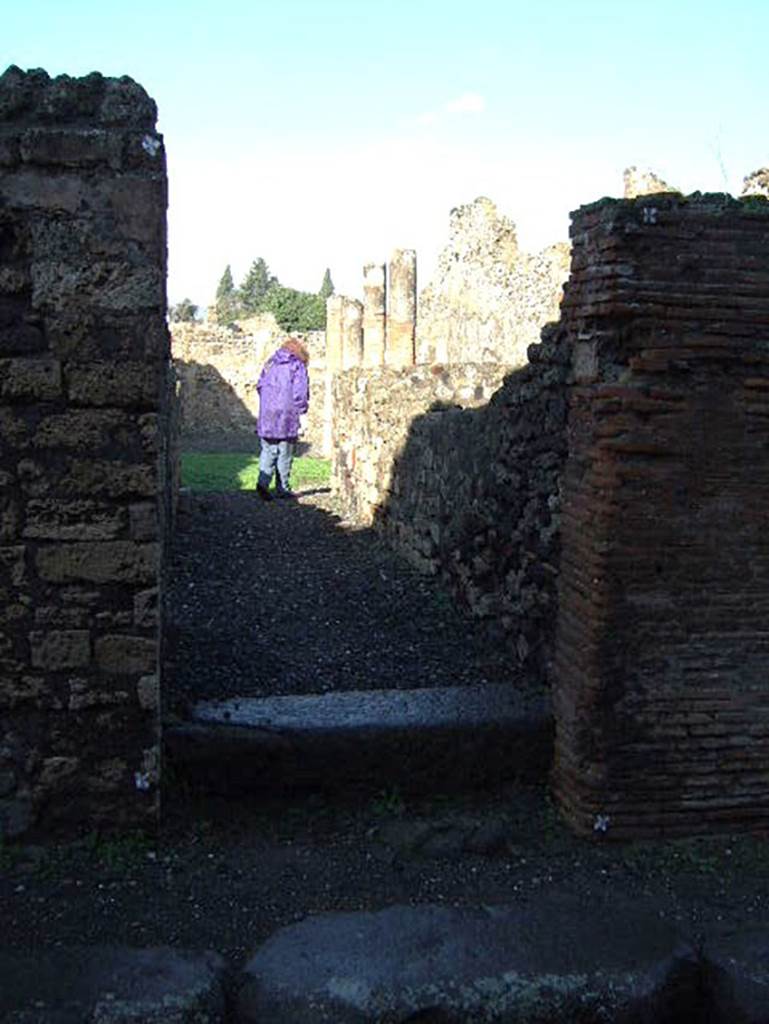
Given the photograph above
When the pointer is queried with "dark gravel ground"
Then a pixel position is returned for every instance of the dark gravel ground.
(283, 597)
(336, 610)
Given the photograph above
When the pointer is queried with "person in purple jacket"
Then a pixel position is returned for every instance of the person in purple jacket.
(284, 396)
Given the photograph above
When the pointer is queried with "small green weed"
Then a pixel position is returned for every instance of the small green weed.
(389, 804)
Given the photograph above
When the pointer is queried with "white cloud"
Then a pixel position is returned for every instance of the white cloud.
(467, 103)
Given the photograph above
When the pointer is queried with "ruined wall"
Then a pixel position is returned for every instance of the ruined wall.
(218, 369)
(661, 692)
(488, 300)
(84, 360)
(375, 409)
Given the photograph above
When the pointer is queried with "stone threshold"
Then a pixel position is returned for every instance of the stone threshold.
(427, 740)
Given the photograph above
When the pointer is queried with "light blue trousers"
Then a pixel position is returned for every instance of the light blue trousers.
(275, 455)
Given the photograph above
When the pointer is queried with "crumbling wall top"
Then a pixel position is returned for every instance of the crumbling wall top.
(36, 98)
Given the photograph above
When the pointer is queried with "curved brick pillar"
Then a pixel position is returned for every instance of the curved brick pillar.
(661, 691)
(84, 358)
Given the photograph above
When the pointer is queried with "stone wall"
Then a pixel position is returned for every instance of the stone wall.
(218, 369)
(488, 300)
(460, 468)
(661, 689)
(84, 361)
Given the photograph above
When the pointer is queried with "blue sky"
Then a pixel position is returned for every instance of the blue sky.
(321, 133)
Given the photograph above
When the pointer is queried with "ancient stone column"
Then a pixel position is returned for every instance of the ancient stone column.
(335, 305)
(401, 308)
(374, 299)
(352, 333)
(84, 470)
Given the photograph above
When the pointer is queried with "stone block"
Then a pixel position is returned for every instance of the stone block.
(137, 205)
(60, 649)
(112, 285)
(146, 607)
(111, 479)
(13, 571)
(497, 964)
(98, 562)
(9, 518)
(70, 147)
(148, 692)
(79, 520)
(28, 190)
(12, 280)
(84, 694)
(123, 384)
(126, 655)
(91, 430)
(30, 379)
(144, 520)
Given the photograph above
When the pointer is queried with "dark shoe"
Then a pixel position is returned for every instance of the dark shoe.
(263, 493)
(285, 494)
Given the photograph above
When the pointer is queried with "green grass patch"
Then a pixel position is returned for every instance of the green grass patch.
(238, 471)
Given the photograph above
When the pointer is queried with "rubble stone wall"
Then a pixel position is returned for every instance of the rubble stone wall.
(84, 375)
(218, 369)
(488, 300)
(460, 469)
(661, 690)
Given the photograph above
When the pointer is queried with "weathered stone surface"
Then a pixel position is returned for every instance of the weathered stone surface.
(640, 182)
(488, 300)
(36, 380)
(59, 519)
(114, 479)
(98, 562)
(504, 964)
(58, 649)
(144, 520)
(125, 655)
(82, 429)
(113, 384)
(113, 985)
(401, 298)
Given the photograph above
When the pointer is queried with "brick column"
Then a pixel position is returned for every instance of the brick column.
(661, 692)
(401, 308)
(374, 302)
(84, 357)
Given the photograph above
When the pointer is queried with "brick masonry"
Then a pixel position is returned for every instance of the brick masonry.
(661, 693)
(84, 377)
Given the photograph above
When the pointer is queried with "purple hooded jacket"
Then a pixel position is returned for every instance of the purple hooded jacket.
(284, 394)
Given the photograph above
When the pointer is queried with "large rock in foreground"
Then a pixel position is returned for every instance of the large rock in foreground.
(550, 962)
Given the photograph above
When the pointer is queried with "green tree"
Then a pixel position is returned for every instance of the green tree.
(226, 304)
(327, 288)
(256, 284)
(183, 312)
(295, 310)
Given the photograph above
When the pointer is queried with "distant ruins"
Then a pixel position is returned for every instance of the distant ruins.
(592, 488)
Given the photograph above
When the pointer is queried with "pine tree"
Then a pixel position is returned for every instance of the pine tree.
(327, 288)
(257, 283)
(226, 298)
